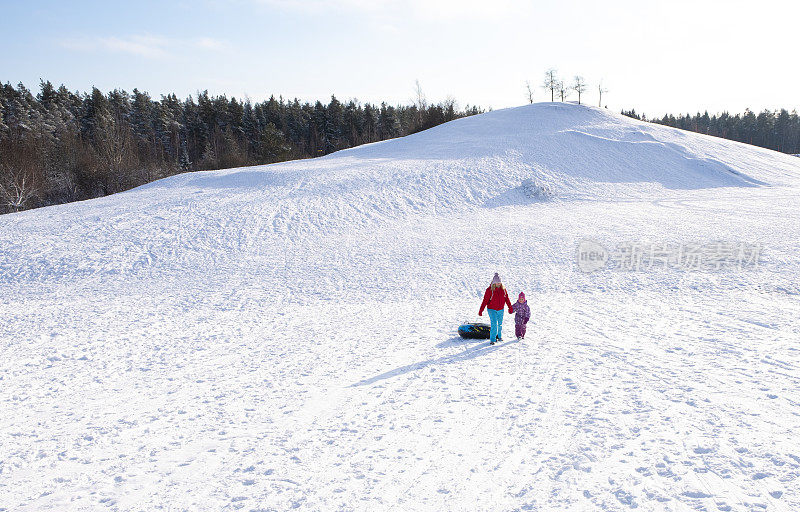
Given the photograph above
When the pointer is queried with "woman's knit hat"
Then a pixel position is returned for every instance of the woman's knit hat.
(496, 279)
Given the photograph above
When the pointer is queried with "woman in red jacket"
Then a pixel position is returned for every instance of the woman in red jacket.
(495, 297)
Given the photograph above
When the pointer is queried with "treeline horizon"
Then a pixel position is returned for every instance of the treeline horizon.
(59, 146)
(778, 130)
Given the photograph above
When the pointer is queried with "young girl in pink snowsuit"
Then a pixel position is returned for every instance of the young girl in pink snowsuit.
(523, 314)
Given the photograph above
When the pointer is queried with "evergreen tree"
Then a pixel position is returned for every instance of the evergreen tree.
(184, 163)
(3, 126)
(273, 146)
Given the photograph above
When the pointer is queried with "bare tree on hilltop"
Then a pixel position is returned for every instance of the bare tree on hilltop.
(551, 82)
(530, 92)
(601, 90)
(579, 86)
(563, 90)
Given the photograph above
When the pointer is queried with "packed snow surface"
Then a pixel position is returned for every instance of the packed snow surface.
(284, 336)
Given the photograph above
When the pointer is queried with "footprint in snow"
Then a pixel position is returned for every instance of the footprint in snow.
(625, 498)
(696, 494)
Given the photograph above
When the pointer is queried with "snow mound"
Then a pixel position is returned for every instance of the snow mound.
(504, 157)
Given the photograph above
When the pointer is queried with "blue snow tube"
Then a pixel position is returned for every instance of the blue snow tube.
(474, 331)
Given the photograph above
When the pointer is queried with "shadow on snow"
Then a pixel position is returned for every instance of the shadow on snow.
(471, 353)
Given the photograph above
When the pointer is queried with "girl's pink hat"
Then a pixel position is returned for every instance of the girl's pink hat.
(521, 296)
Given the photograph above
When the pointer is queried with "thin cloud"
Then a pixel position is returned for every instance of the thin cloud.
(434, 10)
(468, 9)
(145, 46)
(327, 5)
(209, 43)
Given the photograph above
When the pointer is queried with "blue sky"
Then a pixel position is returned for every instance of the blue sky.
(657, 57)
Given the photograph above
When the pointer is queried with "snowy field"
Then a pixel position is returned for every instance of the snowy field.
(285, 336)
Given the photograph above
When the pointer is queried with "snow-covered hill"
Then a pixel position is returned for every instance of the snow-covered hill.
(571, 151)
(284, 336)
